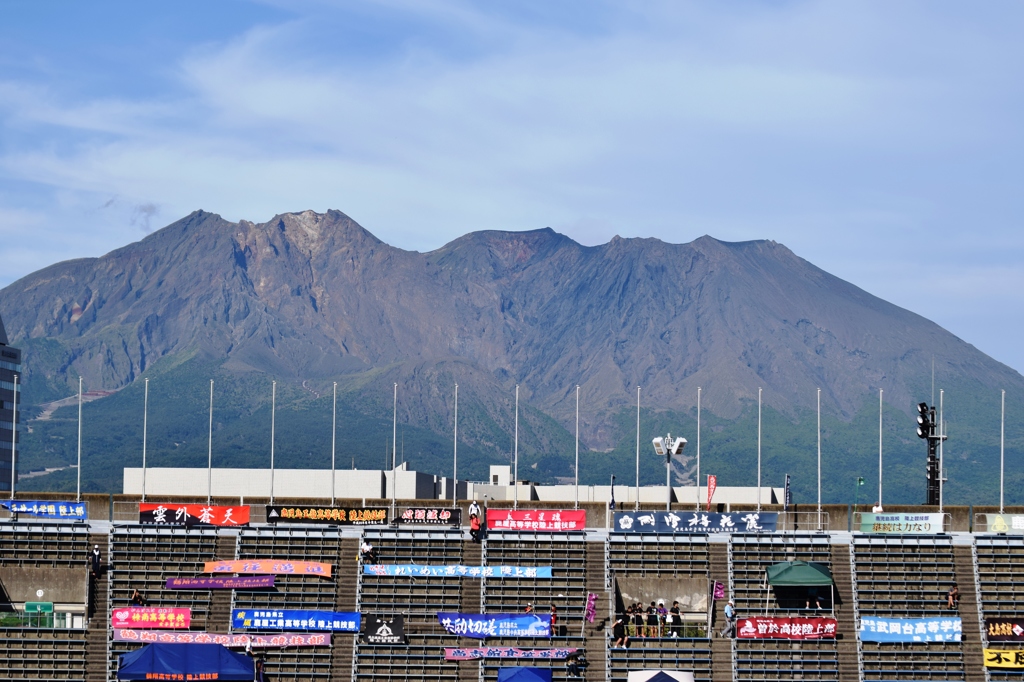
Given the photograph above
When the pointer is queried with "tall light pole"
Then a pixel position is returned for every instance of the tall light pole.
(577, 505)
(394, 450)
(14, 438)
(698, 448)
(666, 446)
(455, 453)
(942, 437)
(636, 504)
(145, 419)
(209, 452)
(819, 459)
(758, 449)
(1003, 440)
(334, 438)
(515, 458)
(78, 494)
(273, 423)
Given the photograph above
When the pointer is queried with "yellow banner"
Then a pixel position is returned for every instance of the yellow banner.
(1004, 658)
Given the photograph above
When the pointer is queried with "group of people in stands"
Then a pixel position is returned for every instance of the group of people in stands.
(652, 621)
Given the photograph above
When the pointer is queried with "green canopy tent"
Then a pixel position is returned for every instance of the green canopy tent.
(798, 574)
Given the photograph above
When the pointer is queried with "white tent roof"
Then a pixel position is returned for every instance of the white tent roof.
(644, 675)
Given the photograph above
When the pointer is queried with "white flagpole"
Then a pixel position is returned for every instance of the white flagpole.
(455, 453)
(273, 420)
(577, 505)
(880, 447)
(698, 448)
(78, 495)
(145, 419)
(334, 437)
(759, 449)
(637, 503)
(394, 451)
(14, 439)
(1002, 443)
(819, 459)
(209, 453)
(515, 456)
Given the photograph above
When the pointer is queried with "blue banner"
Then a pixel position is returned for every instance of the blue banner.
(295, 620)
(483, 625)
(456, 571)
(695, 522)
(874, 629)
(47, 509)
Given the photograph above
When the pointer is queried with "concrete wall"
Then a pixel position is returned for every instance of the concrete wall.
(58, 585)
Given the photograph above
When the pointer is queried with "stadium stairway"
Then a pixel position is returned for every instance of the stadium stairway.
(596, 633)
(97, 630)
(347, 577)
(470, 602)
(966, 578)
(846, 644)
(722, 655)
(220, 600)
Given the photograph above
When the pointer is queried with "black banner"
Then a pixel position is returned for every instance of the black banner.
(334, 516)
(431, 516)
(1004, 629)
(379, 630)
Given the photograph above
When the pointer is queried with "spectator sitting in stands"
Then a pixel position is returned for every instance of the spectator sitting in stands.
(367, 553)
(813, 596)
(619, 632)
(953, 597)
(474, 527)
(138, 599)
(575, 664)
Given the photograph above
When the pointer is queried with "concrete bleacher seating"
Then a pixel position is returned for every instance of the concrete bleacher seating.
(670, 653)
(653, 555)
(907, 577)
(43, 653)
(421, 661)
(1000, 560)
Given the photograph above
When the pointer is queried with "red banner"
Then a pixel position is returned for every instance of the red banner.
(168, 514)
(150, 617)
(766, 627)
(237, 640)
(712, 484)
(537, 519)
(269, 567)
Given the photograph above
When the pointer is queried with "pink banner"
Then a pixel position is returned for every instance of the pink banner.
(765, 627)
(236, 640)
(472, 653)
(275, 567)
(712, 484)
(151, 618)
(537, 519)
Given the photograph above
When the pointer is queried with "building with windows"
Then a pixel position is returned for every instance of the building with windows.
(10, 405)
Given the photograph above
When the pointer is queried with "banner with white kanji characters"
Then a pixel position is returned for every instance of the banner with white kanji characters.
(457, 571)
(290, 619)
(695, 522)
(912, 630)
(168, 514)
(537, 519)
(471, 653)
(236, 639)
(269, 567)
(765, 627)
(46, 509)
(483, 625)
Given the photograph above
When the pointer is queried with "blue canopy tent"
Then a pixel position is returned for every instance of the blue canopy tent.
(524, 674)
(187, 659)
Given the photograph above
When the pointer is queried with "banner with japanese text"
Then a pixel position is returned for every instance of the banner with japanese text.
(483, 625)
(695, 522)
(236, 640)
(287, 619)
(1003, 523)
(765, 627)
(46, 509)
(537, 519)
(269, 567)
(431, 516)
(1004, 629)
(901, 524)
(167, 514)
(875, 629)
(476, 653)
(256, 582)
(457, 571)
(383, 631)
(1004, 658)
(334, 516)
(147, 617)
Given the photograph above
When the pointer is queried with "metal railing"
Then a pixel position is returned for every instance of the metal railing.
(803, 521)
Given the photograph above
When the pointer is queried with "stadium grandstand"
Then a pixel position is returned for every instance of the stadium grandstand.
(408, 594)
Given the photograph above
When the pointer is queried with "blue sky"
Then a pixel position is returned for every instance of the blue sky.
(881, 141)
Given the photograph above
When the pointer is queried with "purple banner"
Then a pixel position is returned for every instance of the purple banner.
(473, 653)
(233, 640)
(242, 583)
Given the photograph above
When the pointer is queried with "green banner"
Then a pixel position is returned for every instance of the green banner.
(900, 523)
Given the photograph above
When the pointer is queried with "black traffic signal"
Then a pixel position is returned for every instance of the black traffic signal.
(925, 421)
